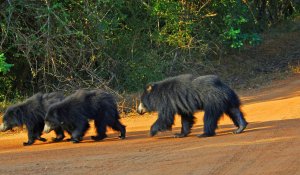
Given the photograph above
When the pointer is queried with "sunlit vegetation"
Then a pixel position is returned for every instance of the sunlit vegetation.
(121, 45)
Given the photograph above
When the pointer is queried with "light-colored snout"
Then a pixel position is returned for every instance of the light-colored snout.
(141, 109)
(3, 127)
(47, 128)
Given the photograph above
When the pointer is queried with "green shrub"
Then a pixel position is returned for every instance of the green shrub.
(4, 67)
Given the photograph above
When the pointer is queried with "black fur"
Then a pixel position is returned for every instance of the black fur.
(73, 112)
(31, 113)
(186, 94)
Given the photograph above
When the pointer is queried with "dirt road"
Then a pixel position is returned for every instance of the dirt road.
(270, 145)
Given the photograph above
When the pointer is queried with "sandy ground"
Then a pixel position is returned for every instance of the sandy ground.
(270, 145)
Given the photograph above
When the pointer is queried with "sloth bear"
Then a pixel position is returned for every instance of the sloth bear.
(184, 95)
(31, 113)
(74, 112)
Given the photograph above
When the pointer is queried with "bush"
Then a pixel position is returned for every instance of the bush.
(121, 45)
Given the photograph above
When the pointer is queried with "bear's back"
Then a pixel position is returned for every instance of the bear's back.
(174, 84)
(32, 103)
(51, 98)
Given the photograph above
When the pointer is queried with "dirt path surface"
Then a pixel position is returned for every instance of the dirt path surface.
(270, 145)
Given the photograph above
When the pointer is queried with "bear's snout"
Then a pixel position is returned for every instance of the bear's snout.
(47, 128)
(4, 127)
(141, 109)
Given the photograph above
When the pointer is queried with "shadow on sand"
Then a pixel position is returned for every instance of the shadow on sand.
(222, 131)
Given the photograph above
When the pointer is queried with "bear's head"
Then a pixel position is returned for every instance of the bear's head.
(12, 118)
(147, 104)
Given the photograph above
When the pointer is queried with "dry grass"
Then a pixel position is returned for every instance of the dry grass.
(295, 68)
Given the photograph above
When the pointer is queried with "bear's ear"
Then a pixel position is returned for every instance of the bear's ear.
(149, 87)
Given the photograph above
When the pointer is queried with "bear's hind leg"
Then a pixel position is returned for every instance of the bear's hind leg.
(233, 118)
(119, 127)
(100, 126)
(238, 119)
(211, 118)
(187, 122)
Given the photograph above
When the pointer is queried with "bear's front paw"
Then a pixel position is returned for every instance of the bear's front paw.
(180, 135)
(75, 140)
(206, 135)
(240, 130)
(58, 139)
(99, 137)
(153, 132)
(42, 139)
(27, 143)
(154, 129)
(121, 137)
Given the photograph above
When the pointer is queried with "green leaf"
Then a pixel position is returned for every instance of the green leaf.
(4, 67)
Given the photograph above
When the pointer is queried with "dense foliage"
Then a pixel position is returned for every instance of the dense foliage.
(121, 45)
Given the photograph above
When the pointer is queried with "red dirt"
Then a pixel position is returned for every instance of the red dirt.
(270, 145)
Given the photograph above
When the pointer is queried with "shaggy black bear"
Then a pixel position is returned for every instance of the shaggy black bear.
(184, 95)
(74, 112)
(31, 113)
